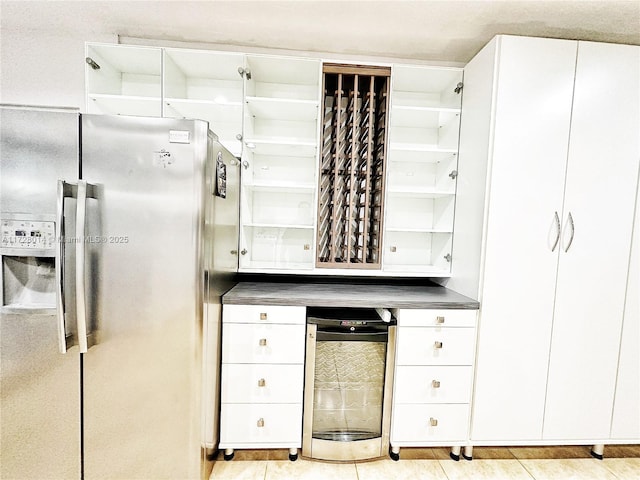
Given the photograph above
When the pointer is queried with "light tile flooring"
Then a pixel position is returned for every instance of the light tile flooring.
(527, 463)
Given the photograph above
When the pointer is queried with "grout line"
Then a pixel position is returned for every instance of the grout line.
(525, 468)
(442, 468)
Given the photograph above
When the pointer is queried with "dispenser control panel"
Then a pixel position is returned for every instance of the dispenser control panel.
(28, 234)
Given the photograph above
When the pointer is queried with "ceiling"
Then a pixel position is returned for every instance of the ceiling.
(446, 30)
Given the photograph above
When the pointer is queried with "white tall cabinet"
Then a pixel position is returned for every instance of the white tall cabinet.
(626, 409)
(552, 126)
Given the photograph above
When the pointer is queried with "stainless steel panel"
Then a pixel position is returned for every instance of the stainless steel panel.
(39, 387)
(40, 401)
(38, 148)
(143, 271)
(221, 265)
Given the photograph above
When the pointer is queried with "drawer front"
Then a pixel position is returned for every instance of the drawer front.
(263, 314)
(262, 383)
(430, 423)
(436, 318)
(260, 423)
(435, 346)
(268, 343)
(432, 384)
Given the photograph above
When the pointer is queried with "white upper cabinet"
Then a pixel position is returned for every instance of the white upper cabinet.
(421, 185)
(123, 80)
(208, 86)
(279, 160)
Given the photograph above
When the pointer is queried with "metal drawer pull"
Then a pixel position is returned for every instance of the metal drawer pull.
(260, 422)
(437, 345)
(263, 316)
(263, 342)
(435, 383)
(439, 319)
(433, 422)
(262, 382)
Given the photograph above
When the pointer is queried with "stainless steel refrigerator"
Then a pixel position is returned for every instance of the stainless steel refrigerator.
(119, 236)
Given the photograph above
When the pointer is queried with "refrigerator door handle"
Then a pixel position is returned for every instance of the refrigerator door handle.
(85, 191)
(65, 189)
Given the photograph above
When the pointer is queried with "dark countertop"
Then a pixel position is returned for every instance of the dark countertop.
(347, 295)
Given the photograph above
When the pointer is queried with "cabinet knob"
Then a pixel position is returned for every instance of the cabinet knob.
(435, 383)
(433, 422)
(260, 422)
(243, 251)
(233, 252)
(392, 249)
(263, 342)
(437, 345)
(439, 320)
(262, 382)
(263, 315)
(307, 246)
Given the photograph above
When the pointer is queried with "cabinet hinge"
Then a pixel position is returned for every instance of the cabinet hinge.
(244, 72)
(459, 87)
(92, 63)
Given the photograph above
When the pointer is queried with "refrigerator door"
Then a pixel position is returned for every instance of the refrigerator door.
(39, 386)
(144, 295)
(221, 264)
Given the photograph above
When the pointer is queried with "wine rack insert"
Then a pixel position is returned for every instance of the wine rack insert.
(352, 166)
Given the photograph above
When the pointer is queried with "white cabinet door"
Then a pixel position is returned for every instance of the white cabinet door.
(626, 409)
(602, 174)
(532, 102)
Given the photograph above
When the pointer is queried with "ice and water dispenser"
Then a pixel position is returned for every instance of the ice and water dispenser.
(27, 251)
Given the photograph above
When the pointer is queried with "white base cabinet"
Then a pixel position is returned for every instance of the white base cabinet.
(552, 125)
(262, 377)
(433, 378)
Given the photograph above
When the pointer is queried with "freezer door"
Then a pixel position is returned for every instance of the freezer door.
(144, 289)
(39, 386)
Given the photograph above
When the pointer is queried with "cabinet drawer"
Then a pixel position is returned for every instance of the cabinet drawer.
(260, 423)
(435, 346)
(268, 343)
(260, 383)
(432, 384)
(429, 423)
(263, 314)
(433, 318)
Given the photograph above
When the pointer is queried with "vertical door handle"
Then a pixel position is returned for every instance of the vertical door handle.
(64, 190)
(84, 191)
(573, 231)
(555, 244)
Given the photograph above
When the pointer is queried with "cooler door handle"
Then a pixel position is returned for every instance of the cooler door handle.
(65, 190)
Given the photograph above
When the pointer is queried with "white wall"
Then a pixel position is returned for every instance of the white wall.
(40, 68)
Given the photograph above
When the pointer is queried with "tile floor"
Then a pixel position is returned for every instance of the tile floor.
(527, 463)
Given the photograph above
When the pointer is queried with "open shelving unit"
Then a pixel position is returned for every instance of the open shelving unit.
(208, 86)
(423, 149)
(279, 163)
(123, 80)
